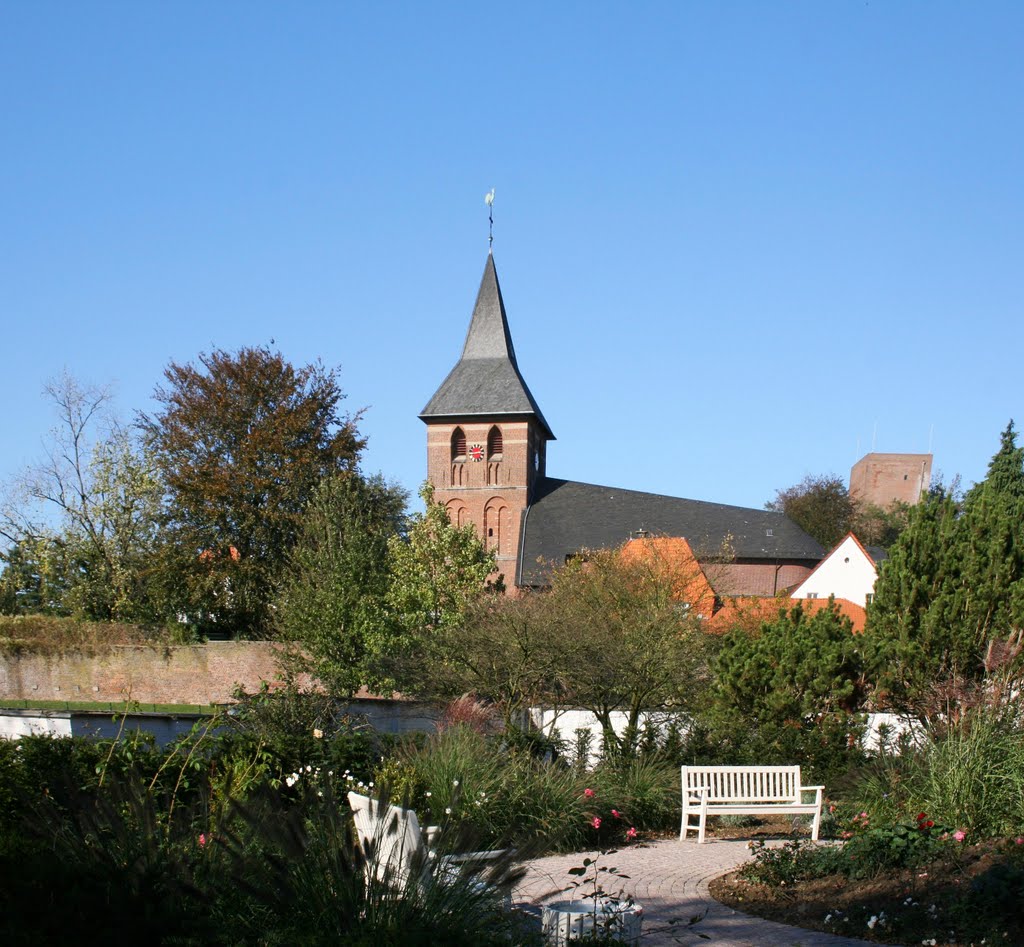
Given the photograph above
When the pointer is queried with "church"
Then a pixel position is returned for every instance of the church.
(487, 443)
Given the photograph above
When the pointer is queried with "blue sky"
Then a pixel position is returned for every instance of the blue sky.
(738, 242)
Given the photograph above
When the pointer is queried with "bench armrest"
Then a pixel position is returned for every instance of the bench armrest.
(458, 857)
(809, 788)
(430, 834)
(697, 790)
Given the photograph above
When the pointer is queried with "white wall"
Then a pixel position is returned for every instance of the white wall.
(847, 572)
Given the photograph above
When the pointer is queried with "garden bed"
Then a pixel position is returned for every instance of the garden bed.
(970, 899)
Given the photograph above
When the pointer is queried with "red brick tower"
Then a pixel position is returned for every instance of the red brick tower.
(486, 437)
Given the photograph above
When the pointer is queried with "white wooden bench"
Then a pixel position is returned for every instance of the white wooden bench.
(745, 790)
(397, 852)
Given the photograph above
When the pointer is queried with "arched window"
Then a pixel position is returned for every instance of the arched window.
(496, 526)
(494, 443)
(458, 445)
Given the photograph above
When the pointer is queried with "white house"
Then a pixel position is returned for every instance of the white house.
(849, 571)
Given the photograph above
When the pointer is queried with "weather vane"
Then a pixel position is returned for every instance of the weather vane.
(489, 201)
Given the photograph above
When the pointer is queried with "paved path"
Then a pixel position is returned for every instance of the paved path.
(670, 879)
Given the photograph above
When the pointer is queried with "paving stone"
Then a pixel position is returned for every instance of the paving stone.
(670, 879)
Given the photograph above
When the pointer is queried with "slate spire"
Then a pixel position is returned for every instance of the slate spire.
(486, 379)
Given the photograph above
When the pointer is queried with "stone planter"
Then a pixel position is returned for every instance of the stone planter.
(568, 921)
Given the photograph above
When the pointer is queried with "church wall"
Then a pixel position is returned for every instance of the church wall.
(491, 494)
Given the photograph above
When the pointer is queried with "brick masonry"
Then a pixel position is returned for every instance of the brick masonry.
(490, 493)
(882, 479)
(193, 674)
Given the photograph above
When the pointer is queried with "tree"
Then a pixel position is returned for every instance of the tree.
(332, 598)
(953, 583)
(503, 652)
(790, 691)
(242, 440)
(820, 505)
(34, 579)
(439, 570)
(627, 637)
(103, 488)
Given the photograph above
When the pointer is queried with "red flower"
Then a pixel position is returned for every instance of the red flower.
(616, 814)
(589, 793)
(596, 822)
(631, 833)
(921, 816)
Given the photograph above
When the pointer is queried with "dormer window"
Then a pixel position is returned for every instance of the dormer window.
(458, 445)
(495, 447)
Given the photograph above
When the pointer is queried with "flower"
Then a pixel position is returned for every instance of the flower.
(959, 835)
(429, 794)
(921, 816)
(596, 822)
(1019, 840)
(631, 833)
(616, 814)
(873, 921)
(589, 793)
(455, 783)
(202, 839)
(447, 810)
(318, 734)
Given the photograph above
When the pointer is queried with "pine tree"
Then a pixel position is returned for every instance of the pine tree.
(954, 581)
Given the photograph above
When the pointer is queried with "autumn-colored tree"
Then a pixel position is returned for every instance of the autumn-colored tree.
(242, 439)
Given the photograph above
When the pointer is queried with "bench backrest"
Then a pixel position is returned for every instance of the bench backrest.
(745, 783)
(390, 838)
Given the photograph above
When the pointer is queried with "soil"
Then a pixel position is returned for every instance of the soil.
(903, 899)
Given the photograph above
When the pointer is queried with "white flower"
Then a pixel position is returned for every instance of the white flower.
(309, 769)
(455, 783)
(429, 794)
(447, 810)
(873, 921)
(828, 918)
(371, 785)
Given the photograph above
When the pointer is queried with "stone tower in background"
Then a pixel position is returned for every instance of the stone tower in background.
(881, 479)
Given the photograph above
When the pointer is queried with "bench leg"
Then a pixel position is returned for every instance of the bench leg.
(703, 819)
(816, 824)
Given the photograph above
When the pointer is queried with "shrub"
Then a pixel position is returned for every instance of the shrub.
(972, 774)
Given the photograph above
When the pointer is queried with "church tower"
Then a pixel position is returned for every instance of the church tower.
(486, 437)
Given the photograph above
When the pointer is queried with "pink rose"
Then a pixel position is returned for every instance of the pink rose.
(1019, 840)
(202, 839)
(631, 833)
(596, 822)
(589, 793)
(959, 835)
(616, 814)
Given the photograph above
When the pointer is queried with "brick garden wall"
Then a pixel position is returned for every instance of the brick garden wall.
(188, 674)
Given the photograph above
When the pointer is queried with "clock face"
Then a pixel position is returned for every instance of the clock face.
(476, 451)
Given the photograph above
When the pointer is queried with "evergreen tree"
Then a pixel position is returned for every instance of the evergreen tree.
(790, 691)
(953, 582)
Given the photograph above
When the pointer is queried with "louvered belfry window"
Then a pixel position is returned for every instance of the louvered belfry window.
(458, 444)
(494, 443)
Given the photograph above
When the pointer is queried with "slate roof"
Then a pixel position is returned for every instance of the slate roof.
(567, 516)
(486, 380)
